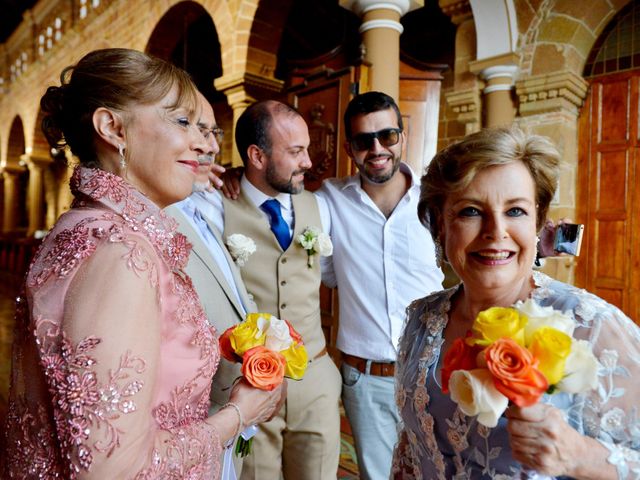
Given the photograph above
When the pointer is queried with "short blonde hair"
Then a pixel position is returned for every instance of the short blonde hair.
(454, 168)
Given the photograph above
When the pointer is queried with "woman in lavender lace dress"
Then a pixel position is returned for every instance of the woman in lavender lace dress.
(483, 200)
(113, 355)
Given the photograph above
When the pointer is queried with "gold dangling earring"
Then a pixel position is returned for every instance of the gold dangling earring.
(123, 161)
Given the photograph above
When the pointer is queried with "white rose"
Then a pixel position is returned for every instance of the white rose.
(278, 336)
(240, 247)
(581, 369)
(325, 247)
(262, 323)
(475, 394)
(308, 238)
(544, 317)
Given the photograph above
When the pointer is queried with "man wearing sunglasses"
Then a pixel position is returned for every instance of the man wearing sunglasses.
(383, 259)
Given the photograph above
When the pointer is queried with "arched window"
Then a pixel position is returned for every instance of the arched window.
(618, 47)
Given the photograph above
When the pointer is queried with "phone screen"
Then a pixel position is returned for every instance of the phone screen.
(568, 238)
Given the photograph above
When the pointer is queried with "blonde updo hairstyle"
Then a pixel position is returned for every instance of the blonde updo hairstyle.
(454, 168)
(113, 78)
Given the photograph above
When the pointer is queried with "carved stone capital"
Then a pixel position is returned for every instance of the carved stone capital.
(35, 161)
(360, 7)
(11, 172)
(465, 104)
(559, 91)
(238, 87)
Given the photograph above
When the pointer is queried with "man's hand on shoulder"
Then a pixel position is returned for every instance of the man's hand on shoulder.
(230, 182)
(215, 176)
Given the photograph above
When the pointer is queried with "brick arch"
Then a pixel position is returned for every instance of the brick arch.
(16, 142)
(496, 27)
(263, 34)
(561, 38)
(40, 145)
(186, 36)
(218, 10)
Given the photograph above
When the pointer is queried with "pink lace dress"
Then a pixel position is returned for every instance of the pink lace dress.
(113, 356)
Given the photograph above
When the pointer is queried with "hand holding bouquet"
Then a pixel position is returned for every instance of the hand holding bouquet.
(269, 350)
(516, 355)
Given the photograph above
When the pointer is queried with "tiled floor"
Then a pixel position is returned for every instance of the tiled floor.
(9, 287)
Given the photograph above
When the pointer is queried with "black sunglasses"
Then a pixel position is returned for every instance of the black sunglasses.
(387, 138)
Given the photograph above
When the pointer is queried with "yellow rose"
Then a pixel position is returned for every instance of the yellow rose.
(551, 347)
(250, 333)
(496, 323)
(297, 360)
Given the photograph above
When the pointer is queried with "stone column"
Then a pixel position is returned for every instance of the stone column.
(381, 29)
(10, 177)
(36, 166)
(549, 105)
(498, 74)
(241, 91)
(464, 99)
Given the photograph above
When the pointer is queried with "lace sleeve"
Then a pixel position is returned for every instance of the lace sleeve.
(611, 411)
(107, 377)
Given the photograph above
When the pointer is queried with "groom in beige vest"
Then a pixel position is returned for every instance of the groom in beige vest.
(303, 441)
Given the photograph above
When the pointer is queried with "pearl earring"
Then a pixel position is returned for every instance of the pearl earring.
(123, 161)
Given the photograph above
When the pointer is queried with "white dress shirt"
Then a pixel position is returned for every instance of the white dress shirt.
(191, 207)
(380, 265)
(215, 209)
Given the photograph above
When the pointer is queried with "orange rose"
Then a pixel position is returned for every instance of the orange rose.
(515, 372)
(297, 338)
(460, 356)
(226, 349)
(263, 368)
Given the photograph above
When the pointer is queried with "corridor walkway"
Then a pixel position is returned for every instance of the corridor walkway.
(9, 286)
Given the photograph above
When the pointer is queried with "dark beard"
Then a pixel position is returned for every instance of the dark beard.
(382, 178)
(283, 186)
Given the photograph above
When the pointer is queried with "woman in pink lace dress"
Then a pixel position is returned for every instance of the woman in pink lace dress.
(113, 355)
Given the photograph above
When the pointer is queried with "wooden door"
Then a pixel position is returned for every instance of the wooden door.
(609, 191)
(321, 97)
(419, 104)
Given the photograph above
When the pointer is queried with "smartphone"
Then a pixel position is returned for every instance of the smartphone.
(568, 238)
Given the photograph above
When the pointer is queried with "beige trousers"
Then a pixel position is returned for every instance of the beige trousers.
(302, 442)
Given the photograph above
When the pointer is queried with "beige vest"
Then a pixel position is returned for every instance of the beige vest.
(281, 283)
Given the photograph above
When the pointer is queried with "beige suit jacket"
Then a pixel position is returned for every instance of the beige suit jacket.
(217, 297)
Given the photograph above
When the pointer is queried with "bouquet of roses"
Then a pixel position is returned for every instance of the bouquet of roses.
(269, 350)
(516, 355)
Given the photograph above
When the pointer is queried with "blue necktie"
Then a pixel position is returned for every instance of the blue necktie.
(278, 226)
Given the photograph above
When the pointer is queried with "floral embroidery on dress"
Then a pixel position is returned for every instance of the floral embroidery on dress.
(70, 248)
(70, 413)
(188, 456)
(85, 404)
(473, 451)
(37, 445)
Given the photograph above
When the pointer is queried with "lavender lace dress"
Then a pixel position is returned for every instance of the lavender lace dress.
(437, 441)
(113, 356)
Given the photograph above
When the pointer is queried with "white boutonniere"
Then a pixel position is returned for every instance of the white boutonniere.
(240, 247)
(314, 241)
